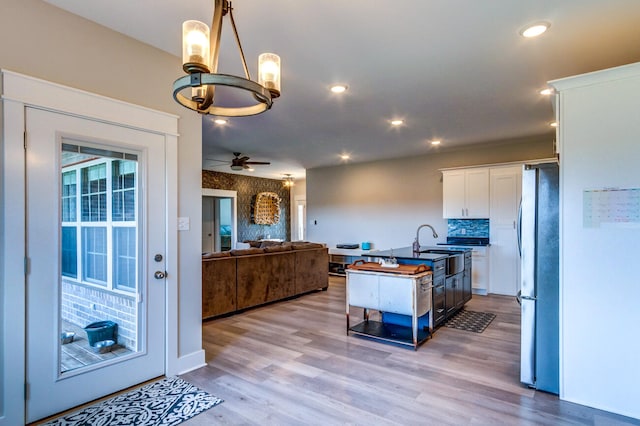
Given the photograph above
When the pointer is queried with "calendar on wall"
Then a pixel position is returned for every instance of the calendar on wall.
(611, 207)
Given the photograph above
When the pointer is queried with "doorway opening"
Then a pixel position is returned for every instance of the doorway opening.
(219, 220)
(299, 218)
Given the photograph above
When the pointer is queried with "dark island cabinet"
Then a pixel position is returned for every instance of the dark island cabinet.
(439, 280)
(466, 278)
(453, 293)
(439, 304)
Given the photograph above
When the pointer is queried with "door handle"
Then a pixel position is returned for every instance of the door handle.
(519, 228)
(160, 275)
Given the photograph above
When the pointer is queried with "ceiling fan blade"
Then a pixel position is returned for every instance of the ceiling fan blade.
(242, 159)
(257, 162)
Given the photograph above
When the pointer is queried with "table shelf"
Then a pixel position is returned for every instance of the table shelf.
(390, 332)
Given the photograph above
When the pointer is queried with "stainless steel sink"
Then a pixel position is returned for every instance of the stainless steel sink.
(455, 260)
(441, 251)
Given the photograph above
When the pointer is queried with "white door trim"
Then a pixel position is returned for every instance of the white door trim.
(19, 91)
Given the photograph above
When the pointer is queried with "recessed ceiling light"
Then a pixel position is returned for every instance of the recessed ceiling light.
(535, 30)
(220, 121)
(345, 156)
(339, 88)
(435, 142)
(546, 92)
(553, 124)
(397, 122)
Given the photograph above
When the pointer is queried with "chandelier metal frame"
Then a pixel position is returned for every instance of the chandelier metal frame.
(201, 77)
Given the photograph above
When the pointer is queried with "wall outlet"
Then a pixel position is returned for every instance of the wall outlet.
(463, 231)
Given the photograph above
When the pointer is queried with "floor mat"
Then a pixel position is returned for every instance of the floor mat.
(470, 321)
(169, 401)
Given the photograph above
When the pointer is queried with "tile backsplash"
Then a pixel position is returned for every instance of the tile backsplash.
(468, 228)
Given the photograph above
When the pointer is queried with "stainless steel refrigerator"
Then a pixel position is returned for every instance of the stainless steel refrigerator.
(538, 239)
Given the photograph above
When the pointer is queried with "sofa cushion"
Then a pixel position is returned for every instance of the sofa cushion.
(277, 248)
(265, 244)
(304, 246)
(216, 254)
(244, 252)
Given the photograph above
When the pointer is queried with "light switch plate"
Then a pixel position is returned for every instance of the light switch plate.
(183, 224)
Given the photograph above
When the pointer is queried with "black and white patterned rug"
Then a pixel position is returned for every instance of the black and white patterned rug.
(470, 321)
(169, 401)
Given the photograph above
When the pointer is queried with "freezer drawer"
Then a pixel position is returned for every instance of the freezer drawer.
(527, 341)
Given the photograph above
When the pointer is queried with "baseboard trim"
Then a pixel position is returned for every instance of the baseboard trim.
(191, 362)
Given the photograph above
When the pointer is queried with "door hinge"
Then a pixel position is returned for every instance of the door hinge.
(24, 139)
(26, 391)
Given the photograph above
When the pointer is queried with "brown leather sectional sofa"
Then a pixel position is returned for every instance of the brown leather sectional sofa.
(240, 279)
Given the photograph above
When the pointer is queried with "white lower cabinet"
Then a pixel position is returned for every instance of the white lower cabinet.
(480, 270)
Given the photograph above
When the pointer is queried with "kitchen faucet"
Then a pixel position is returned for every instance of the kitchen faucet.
(416, 243)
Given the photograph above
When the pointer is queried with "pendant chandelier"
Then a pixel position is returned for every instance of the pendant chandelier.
(288, 180)
(200, 61)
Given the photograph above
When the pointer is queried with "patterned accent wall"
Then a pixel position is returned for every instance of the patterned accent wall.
(247, 188)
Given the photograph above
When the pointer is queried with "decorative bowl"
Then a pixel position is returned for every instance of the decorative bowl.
(67, 337)
(103, 346)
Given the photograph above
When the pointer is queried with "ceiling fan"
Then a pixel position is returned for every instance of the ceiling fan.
(240, 163)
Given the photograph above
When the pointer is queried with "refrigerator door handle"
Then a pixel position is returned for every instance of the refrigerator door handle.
(519, 228)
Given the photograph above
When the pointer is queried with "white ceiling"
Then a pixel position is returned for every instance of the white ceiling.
(454, 70)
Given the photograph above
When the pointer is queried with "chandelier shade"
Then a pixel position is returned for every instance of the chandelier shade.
(200, 50)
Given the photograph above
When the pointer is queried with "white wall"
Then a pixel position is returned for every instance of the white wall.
(600, 287)
(40, 40)
(384, 202)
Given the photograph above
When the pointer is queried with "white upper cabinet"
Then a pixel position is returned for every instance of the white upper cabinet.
(465, 193)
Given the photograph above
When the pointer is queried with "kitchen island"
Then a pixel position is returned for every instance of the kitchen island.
(451, 268)
(405, 290)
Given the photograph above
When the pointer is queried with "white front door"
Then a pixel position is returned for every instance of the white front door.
(96, 224)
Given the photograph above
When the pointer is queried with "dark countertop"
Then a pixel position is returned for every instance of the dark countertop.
(407, 253)
(463, 245)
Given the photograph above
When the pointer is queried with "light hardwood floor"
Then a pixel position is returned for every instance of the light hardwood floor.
(292, 363)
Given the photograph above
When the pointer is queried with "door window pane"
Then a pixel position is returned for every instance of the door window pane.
(123, 187)
(94, 193)
(69, 196)
(94, 254)
(69, 252)
(124, 258)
